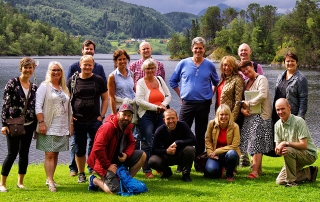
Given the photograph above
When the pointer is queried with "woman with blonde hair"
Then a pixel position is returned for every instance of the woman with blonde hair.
(222, 144)
(54, 116)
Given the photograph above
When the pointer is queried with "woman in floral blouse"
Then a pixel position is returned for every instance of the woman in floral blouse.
(15, 93)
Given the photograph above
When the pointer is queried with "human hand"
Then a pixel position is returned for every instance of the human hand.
(171, 150)
(213, 155)
(42, 129)
(245, 112)
(123, 157)
(113, 168)
(5, 130)
(280, 148)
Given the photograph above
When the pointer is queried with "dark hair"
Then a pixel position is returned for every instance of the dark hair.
(88, 43)
(290, 54)
(245, 63)
(118, 53)
(25, 62)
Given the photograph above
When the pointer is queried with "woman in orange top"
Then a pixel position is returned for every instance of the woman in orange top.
(152, 97)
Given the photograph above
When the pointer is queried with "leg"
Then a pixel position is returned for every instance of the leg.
(50, 165)
(136, 167)
(213, 168)
(80, 133)
(281, 179)
(73, 165)
(110, 183)
(146, 128)
(256, 164)
(231, 161)
(187, 155)
(93, 128)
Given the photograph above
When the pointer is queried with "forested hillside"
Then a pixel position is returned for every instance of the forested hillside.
(21, 36)
(103, 18)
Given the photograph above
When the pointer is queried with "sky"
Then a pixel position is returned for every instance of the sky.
(195, 6)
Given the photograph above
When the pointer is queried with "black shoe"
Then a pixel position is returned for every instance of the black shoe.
(186, 177)
(166, 174)
(179, 169)
(313, 172)
(198, 169)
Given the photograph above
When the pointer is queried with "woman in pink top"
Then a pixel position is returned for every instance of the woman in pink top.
(152, 97)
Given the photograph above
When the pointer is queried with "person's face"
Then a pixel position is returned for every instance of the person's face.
(170, 119)
(27, 71)
(124, 119)
(248, 71)
(88, 50)
(283, 110)
(122, 61)
(223, 117)
(244, 52)
(145, 51)
(56, 72)
(291, 64)
(198, 50)
(86, 66)
(150, 71)
(227, 68)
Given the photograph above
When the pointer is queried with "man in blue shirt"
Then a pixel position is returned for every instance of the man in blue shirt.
(88, 48)
(196, 76)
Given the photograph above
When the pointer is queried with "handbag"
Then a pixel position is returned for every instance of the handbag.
(16, 125)
(201, 160)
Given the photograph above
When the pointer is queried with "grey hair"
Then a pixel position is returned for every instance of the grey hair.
(198, 40)
(149, 62)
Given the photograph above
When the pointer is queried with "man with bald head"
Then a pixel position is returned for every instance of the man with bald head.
(294, 143)
(145, 50)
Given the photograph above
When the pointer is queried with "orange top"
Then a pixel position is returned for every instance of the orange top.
(219, 90)
(155, 97)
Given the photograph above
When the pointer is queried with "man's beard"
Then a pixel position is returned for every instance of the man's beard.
(123, 124)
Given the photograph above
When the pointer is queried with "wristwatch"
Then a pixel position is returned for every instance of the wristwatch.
(287, 144)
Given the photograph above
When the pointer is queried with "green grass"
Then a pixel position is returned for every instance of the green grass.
(201, 189)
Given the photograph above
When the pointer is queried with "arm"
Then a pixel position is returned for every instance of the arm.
(303, 97)
(140, 97)
(40, 97)
(104, 104)
(189, 140)
(166, 91)
(157, 145)
(209, 139)
(263, 88)
(238, 92)
(281, 147)
(161, 72)
(111, 92)
(259, 69)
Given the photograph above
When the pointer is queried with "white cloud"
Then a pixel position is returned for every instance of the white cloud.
(195, 6)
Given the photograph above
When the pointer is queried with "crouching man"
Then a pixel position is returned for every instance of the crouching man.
(114, 145)
(294, 143)
(173, 145)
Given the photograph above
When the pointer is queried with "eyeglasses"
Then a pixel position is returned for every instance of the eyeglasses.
(56, 70)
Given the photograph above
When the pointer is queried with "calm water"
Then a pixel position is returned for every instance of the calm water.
(9, 69)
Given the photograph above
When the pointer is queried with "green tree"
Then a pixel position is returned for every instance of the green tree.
(211, 23)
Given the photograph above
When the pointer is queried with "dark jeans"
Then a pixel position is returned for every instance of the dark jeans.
(82, 133)
(148, 124)
(184, 158)
(228, 160)
(19, 144)
(199, 112)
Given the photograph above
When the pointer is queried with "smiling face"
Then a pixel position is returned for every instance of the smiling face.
(244, 52)
(86, 66)
(122, 62)
(227, 68)
(291, 64)
(27, 71)
(170, 119)
(145, 50)
(150, 71)
(224, 118)
(198, 50)
(124, 119)
(283, 109)
(88, 50)
(56, 72)
(248, 71)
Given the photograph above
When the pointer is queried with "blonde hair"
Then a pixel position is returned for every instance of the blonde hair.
(87, 57)
(149, 62)
(62, 81)
(232, 61)
(223, 108)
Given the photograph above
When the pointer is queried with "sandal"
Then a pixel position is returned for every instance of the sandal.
(21, 186)
(253, 176)
(52, 188)
(3, 189)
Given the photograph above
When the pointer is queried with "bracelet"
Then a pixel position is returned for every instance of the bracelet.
(41, 122)
(71, 123)
(102, 117)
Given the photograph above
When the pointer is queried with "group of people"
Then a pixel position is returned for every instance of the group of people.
(75, 107)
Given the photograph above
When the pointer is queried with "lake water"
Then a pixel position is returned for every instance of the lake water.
(9, 69)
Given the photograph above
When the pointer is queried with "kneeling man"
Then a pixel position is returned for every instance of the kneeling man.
(173, 145)
(294, 143)
(114, 145)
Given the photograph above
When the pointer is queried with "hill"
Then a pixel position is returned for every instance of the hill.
(111, 19)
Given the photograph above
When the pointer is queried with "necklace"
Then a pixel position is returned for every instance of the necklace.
(250, 83)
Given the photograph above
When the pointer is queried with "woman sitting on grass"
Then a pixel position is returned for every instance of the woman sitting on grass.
(222, 144)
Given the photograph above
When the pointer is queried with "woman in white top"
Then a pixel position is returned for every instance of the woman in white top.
(54, 116)
(152, 97)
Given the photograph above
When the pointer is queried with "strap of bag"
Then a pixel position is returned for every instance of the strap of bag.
(159, 81)
(73, 83)
(25, 106)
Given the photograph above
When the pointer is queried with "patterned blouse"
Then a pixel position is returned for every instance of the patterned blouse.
(14, 101)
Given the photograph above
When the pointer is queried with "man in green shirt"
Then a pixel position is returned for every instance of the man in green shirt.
(294, 143)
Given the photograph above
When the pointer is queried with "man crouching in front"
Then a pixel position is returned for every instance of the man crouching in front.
(114, 145)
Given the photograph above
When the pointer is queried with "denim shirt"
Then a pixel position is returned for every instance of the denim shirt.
(296, 92)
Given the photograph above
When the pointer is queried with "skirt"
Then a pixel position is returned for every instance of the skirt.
(52, 143)
(256, 135)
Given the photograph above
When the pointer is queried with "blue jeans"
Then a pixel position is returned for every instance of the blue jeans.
(82, 133)
(228, 160)
(148, 124)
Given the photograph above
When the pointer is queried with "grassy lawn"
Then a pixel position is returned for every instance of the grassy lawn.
(201, 189)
